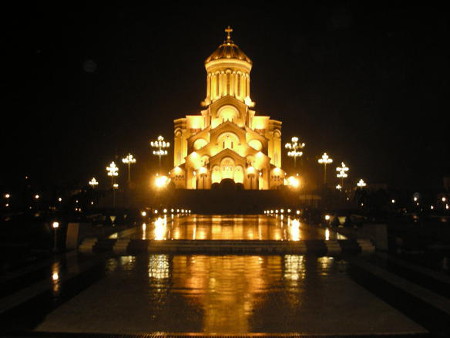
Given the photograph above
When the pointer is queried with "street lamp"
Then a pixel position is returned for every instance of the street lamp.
(129, 159)
(160, 148)
(294, 146)
(93, 182)
(342, 172)
(113, 171)
(55, 226)
(325, 160)
(361, 183)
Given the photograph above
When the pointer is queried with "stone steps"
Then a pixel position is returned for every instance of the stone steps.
(127, 246)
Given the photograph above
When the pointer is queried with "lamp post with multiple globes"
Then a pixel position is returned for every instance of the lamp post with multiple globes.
(129, 160)
(342, 173)
(325, 160)
(113, 171)
(294, 148)
(160, 147)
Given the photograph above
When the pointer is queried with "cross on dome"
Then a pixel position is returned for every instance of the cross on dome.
(228, 30)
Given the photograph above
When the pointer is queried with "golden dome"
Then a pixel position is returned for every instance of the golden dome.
(228, 50)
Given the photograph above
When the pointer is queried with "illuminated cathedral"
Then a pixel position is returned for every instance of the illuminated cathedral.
(227, 140)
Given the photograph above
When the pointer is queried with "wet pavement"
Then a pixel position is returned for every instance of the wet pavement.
(222, 294)
(226, 294)
(227, 227)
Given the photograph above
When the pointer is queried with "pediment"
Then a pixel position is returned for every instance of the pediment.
(228, 100)
(227, 126)
(227, 153)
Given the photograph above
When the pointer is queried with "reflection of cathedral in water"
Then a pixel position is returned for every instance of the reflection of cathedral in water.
(227, 140)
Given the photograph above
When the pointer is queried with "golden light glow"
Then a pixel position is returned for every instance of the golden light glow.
(361, 183)
(293, 181)
(56, 282)
(129, 159)
(93, 182)
(161, 181)
(112, 169)
(160, 228)
(325, 159)
(227, 136)
(158, 266)
(294, 230)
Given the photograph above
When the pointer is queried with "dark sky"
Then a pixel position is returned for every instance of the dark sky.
(366, 82)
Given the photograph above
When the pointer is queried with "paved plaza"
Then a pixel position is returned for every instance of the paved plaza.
(240, 294)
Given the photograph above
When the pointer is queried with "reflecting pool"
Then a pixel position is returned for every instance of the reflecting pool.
(226, 293)
(228, 227)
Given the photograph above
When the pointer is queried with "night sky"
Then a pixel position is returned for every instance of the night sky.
(365, 81)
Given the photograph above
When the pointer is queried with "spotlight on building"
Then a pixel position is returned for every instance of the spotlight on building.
(161, 181)
(293, 182)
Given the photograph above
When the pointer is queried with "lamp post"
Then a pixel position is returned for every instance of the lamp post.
(361, 184)
(93, 182)
(129, 159)
(294, 146)
(113, 171)
(160, 147)
(342, 172)
(325, 160)
(55, 226)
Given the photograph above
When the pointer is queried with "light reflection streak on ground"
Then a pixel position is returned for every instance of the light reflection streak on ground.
(223, 227)
(225, 294)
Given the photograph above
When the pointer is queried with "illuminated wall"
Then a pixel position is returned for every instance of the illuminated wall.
(227, 140)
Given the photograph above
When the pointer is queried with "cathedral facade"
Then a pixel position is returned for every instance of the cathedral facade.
(227, 140)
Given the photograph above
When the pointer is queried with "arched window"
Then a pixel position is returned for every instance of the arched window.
(238, 174)
(215, 176)
(227, 168)
(227, 113)
(228, 140)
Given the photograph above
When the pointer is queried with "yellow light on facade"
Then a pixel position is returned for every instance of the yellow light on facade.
(248, 101)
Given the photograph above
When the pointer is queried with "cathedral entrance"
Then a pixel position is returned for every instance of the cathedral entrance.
(227, 168)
